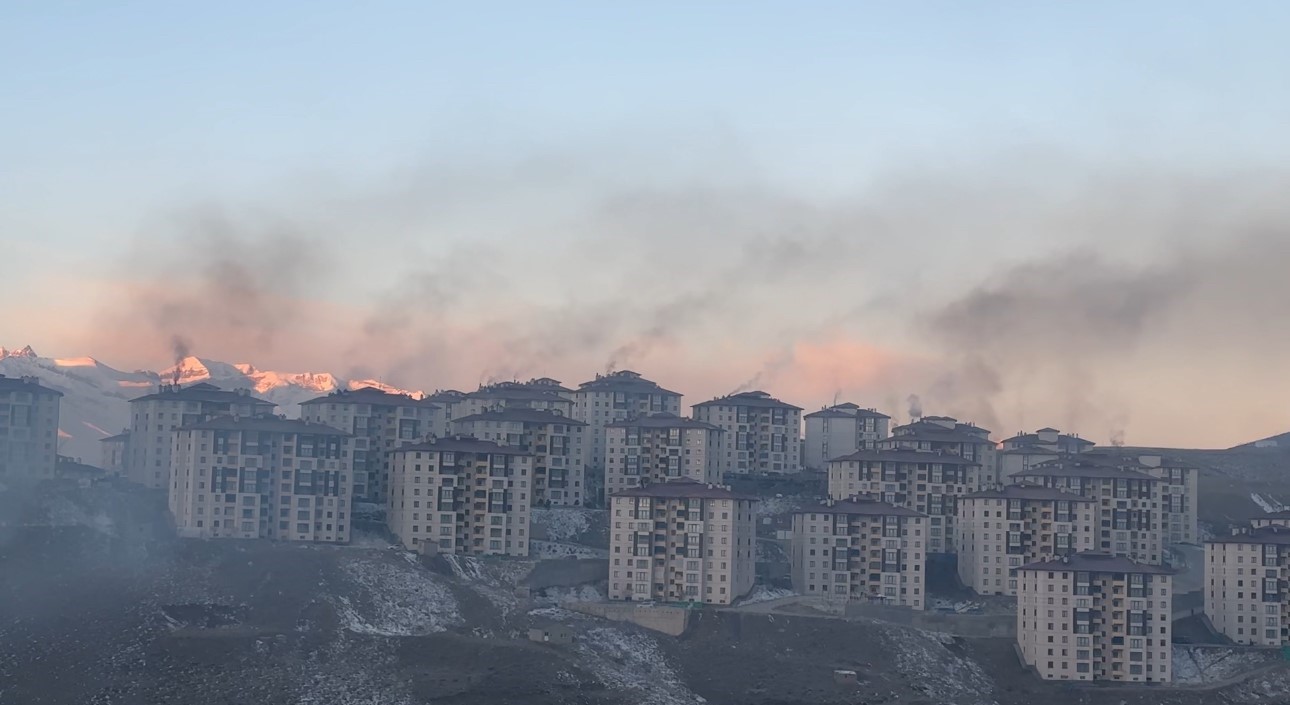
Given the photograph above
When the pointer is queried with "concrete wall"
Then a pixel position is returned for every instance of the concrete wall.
(974, 625)
(567, 572)
(668, 620)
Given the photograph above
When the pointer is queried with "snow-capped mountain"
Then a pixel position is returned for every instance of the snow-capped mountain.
(96, 397)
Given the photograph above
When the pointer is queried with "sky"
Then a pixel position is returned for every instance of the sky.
(1026, 213)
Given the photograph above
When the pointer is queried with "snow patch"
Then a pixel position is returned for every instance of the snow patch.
(765, 593)
(562, 524)
(942, 675)
(633, 663)
(398, 600)
(1268, 504)
(550, 549)
(1197, 665)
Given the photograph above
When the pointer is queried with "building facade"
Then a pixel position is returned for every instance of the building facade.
(155, 417)
(1003, 529)
(609, 399)
(860, 550)
(262, 476)
(925, 482)
(28, 428)
(947, 435)
(839, 430)
(1247, 585)
(656, 448)
(115, 453)
(461, 495)
(682, 541)
(1095, 617)
(380, 422)
(1179, 491)
(762, 434)
(1024, 450)
(543, 394)
(556, 443)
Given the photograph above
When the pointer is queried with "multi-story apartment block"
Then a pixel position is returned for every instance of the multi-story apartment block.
(944, 434)
(1127, 517)
(926, 482)
(1023, 450)
(1003, 529)
(682, 541)
(1179, 490)
(660, 447)
(608, 399)
(544, 394)
(261, 477)
(1246, 577)
(1095, 617)
(839, 430)
(154, 418)
(28, 428)
(762, 433)
(115, 453)
(446, 402)
(380, 422)
(860, 549)
(1279, 518)
(461, 495)
(555, 441)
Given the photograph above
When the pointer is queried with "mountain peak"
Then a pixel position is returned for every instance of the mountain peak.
(26, 352)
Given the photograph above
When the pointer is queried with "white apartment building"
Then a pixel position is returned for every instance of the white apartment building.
(762, 433)
(682, 541)
(380, 421)
(1179, 491)
(660, 447)
(861, 550)
(461, 495)
(263, 476)
(1024, 450)
(1095, 617)
(608, 399)
(1128, 518)
(28, 428)
(945, 434)
(839, 430)
(925, 482)
(115, 453)
(543, 394)
(1003, 529)
(1246, 576)
(555, 441)
(154, 418)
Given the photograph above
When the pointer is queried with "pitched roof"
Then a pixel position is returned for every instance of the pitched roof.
(1283, 514)
(462, 444)
(858, 505)
(755, 398)
(516, 391)
(684, 487)
(521, 414)
(369, 395)
(906, 456)
(943, 435)
(1081, 466)
(662, 420)
(624, 381)
(263, 422)
(1032, 492)
(1033, 438)
(1264, 534)
(203, 391)
(25, 384)
(123, 436)
(1096, 563)
(846, 411)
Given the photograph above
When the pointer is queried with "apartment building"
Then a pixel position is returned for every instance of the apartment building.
(1127, 516)
(544, 394)
(1095, 617)
(945, 434)
(1278, 518)
(839, 430)
(656, 448)
(1246, 577)
(861, 550)
(461, 495)
(682, 541)
(380, 421)
(762, 433)
(154, 418)
(555, 442)
(28, 428)
(261, 476)
(446, 402)
(608, 399)
(1023, 450)
(1002, 529)
(923, 481)
(115, 453)
(1179, 490)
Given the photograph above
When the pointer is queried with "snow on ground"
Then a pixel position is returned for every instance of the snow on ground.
(1197, 665)
(559, 614)
(765, 593)
(367, 539)
(497, 580)
(562, 524)
(63, 512)
(549, 549)
(560, 595)
(400, 599)
(944, 676)
(774, 506)
(633, 663)
(1268, 503)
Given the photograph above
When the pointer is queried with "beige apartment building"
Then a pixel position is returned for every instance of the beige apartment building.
(839, 430)
(1003, 529)
(609, 399)
(380, 421)
(461, 495)
(1246, 578)
(923, 481)
(682, 541)
(762, 433)
(544, 394)
(1095, 617)
(115, 453)
(656, 448)
(262, 476)
(446, 403)
(154, 418)
(28, 428)
(1019, 453)
(1127, 515)
(860, 550)
(945, 434)
(556, 443)
(1179, 491)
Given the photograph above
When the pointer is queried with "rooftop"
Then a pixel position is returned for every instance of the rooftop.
(462, 444)
(521, 414)
(1032, 492)
(1081, 466)
(935, 433)
(1097, 563)
(859, 505)
(516, 391)
(1265, 534)
(263, 422)
(623, 381)
(25, 384)
(685, 488)
(906, 456)
(662, 420)
(368, 395)
(754, 398)
(118, 438)
(202, 391)
(846, 411)
(1033, 438)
